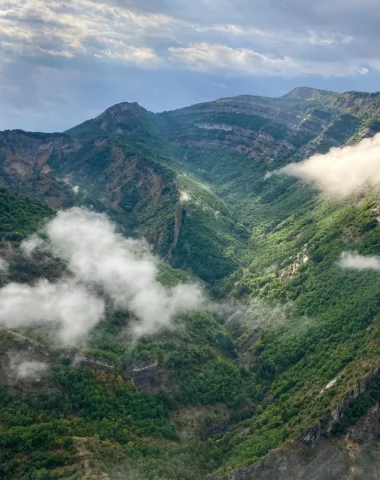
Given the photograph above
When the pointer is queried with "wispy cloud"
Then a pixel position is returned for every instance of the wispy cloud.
(25, 368)
(103, 266)
(3, 265)
(244, 61)
(97, 255)
(82, 28)
(355, 261)
(107, 30)
(65, 308)
(341, 171)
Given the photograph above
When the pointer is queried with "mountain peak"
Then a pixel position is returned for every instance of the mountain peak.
(122, 111)
(307, 93)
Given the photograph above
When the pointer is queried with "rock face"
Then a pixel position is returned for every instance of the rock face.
(151, 378)
(290, 271)
(301, 122)
(26, 154)
(354, 456)
(319, 454)
(26, 161)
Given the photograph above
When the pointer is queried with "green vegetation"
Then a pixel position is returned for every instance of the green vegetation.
(20, 216)
(82, 407)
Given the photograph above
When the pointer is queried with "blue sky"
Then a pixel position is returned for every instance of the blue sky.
(64, 62)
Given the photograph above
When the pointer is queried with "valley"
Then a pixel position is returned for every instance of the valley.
(276, 371)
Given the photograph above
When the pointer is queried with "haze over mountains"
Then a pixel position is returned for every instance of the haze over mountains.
(246, 321)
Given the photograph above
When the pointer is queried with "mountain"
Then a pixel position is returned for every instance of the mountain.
(279, 379)
(120, 163)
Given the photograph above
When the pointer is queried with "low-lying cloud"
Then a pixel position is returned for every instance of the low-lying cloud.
(66, 307)
(21, 369)
(3, 265)
(341, 171)
(355, 261)
(127, 273)
(255, 314)
(103, 266)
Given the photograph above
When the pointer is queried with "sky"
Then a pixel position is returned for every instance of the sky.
(62, 62)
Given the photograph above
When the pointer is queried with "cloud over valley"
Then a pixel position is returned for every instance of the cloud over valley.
(103, 267)
(341, 171)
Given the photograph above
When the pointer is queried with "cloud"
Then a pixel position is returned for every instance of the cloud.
(255, 314)
(341, 171)
(22, 369)
(3, 266)
(355, 261)
(244, 61)
(30, 244)
(66, 307)
(121, 268)
(119, 31)
(76, 28)
(73, 58)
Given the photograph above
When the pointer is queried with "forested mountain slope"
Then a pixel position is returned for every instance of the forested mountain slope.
(119, 163)
(288, 351)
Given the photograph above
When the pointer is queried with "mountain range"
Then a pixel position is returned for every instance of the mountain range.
(278, 378)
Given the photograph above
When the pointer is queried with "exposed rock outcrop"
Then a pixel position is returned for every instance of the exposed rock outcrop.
(353, 456)
(317, 455)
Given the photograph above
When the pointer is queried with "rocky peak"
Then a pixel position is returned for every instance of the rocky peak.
(122, 111)
(307, 93)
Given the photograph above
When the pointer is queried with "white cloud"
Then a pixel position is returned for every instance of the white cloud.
(96, 255)
(117, 50)
(270, 36)
(326, 39)
(254, 315)
(3, 266)
(31, 244)
(220, 85)
(110, 31)
(64, 306)
(341, 171)
(57, 56)
(244, 61)
(37, 28)
(31, 369)
(22, 368)
(355, 261)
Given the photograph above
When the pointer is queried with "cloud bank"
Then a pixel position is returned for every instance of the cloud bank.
(67, 308)
(97, 255)
(341, 171)
(355, 261)
(102, 261)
